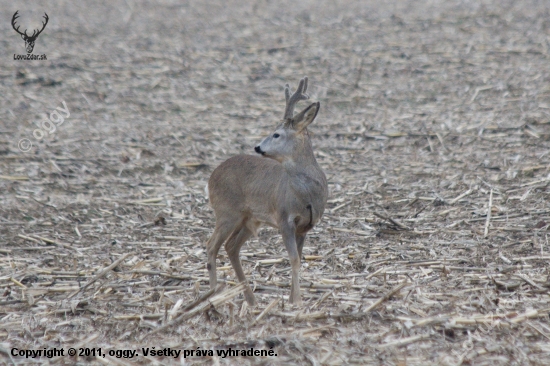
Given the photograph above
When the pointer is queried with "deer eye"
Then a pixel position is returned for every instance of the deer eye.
(276, 135)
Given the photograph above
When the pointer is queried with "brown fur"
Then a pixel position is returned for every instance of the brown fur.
(285, 189)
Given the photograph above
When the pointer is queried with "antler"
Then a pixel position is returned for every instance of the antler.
(43, 26)
(15, 16)
(299, 94)
(34, 34)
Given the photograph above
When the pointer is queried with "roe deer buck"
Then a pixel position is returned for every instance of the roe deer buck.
(285, 188)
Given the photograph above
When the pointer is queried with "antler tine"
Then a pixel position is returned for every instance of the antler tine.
(43, 24)
(299, 94)
(287, 93)
(13, 19)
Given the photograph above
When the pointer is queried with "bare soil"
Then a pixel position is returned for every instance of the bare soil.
(433, 132)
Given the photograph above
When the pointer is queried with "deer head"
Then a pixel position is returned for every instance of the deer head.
(291, 135)
(29, 40)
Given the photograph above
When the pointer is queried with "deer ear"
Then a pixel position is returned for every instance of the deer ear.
(23, 36)
(305, 117)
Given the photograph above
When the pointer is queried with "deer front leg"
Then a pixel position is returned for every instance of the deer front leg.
(288, 231)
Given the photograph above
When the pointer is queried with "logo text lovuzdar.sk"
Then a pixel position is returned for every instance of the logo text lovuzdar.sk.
(29, 39)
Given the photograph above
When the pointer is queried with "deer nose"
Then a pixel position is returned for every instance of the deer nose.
(258, 150)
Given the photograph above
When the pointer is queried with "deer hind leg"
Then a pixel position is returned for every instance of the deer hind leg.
(300, 244)
(233, 247)
(288, 232)
(221, 233)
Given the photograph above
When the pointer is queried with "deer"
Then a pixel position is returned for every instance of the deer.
(29, 40)
(282, 186)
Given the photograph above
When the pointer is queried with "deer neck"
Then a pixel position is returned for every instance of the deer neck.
(302, 159)
(305, 176)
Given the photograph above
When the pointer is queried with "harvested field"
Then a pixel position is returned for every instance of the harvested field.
(433, 132)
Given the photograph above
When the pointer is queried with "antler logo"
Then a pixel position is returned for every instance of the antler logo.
(29, 40)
